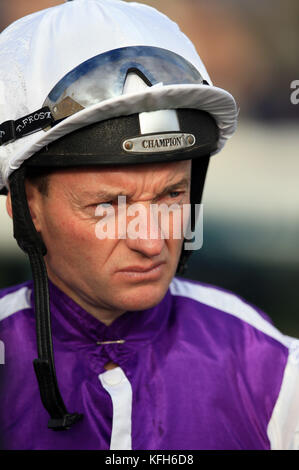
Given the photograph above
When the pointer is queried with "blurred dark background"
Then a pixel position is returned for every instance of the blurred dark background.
(251, 201)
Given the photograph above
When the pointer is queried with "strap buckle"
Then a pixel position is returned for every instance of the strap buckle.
(64, 423)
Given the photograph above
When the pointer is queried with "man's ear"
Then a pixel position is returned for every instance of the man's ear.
(33, 200)
(8, 205)
(32, 197)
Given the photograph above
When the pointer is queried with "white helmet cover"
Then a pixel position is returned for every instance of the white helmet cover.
(37, 51)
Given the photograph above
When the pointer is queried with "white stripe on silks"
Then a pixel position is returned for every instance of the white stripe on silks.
(119, 388)
(228, 303)
(14, 302)
(283, 427)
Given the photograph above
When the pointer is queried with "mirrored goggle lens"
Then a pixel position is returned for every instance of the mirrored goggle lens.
(98, 79)
(103, 77)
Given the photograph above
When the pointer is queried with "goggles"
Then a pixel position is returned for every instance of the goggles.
(101, 78)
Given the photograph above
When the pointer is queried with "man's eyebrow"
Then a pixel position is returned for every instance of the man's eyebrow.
(111, 195)
(182, 184)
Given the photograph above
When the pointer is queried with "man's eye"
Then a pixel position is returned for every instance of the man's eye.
(175, 194)
(106, 203)
(103, 204)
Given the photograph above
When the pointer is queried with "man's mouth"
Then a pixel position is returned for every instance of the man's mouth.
(141, 269)
(151, 272)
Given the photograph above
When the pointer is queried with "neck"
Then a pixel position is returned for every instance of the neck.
(104, 314)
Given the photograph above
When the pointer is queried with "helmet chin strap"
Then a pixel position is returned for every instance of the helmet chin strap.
(31, 242)
(198, 177)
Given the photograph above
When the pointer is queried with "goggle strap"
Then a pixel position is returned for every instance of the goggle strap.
(10, 131)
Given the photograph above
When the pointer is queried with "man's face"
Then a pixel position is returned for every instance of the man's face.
(110, 275)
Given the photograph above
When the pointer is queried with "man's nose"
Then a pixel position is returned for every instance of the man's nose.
(143, 233)
(147, 247)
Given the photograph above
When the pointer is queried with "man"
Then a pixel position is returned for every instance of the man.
(108, 106)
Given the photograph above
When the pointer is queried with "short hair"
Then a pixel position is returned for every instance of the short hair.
(39, 177)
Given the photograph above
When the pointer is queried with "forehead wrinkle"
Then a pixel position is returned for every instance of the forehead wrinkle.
(137, 187)
(110, 194)
(103, 193)
(182, 183)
